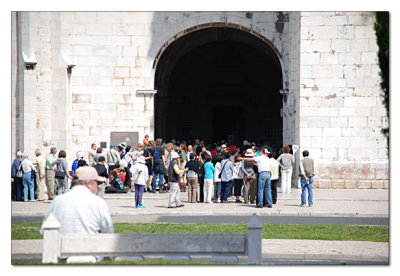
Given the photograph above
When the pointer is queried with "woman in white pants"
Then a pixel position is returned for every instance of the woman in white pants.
(286, 162)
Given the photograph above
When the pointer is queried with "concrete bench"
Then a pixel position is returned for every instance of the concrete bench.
(185, 247)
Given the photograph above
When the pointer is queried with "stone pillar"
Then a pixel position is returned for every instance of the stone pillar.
(254, 242)
(51, 239)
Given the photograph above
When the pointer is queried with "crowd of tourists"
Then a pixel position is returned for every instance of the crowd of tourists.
(215, 173)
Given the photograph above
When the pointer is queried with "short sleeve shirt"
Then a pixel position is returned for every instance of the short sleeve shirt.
(263, 163)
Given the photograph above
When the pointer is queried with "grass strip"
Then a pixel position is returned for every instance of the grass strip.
(26, 231)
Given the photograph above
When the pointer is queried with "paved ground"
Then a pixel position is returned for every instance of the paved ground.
(341, 206)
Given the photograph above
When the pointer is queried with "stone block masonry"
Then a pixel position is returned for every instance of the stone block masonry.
(337, 48)
(329, 67)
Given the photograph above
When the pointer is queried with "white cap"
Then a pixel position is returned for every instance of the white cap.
(79, 155)
(223, 146)
(19, 153)
(174, 155)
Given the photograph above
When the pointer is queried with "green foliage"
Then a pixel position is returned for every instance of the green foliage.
(22, 231)
(382, 39)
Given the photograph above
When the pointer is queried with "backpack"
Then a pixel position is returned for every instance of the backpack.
(156, 156)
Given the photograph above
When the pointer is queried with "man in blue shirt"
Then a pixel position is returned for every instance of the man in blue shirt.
(16, 166)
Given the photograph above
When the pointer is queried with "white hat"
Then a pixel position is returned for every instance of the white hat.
(223, 146)
(142, 160)
(249, 153)
(174, 155)
(79, 155)
(19, 153)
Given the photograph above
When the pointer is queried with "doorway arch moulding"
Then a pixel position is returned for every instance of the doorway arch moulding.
(198, 27)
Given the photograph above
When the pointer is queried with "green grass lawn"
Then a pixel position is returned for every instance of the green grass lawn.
(26, 231)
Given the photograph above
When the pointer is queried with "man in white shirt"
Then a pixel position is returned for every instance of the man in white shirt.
(264, 177)
(81, 211)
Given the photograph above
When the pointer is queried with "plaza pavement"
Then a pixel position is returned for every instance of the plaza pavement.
(328, 203)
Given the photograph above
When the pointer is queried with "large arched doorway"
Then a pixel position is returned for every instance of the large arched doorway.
(219, 83)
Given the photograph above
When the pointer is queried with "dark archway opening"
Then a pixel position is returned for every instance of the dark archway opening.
(219, 83)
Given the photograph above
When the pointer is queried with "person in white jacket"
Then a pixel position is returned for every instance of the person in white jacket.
(141, 169)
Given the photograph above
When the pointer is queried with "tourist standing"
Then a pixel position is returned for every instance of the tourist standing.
(137, 153)
(127, 162)
(274, 177)
(173, 176)
(183, 159)
(193, 168)
(249, 178)
(196, 144)
(190, 150)
(79, 156)
(62, 175)
(208, 179)
(169, 148)
(159, 166)
(140, 175)
(264, 178)
(226, 177)
(112, 158)
(201, 177)
(286, 161)
(237, 177)
(307, 178)
(50, 174)
(217, 179)
(40, 176)
(16, 177)
(28, 169)
(148, 156)
(99, 152)
(146, 140)
(92, 152)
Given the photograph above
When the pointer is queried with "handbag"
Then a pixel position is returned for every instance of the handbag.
(19, 172)
(135, 176)
(60, 174)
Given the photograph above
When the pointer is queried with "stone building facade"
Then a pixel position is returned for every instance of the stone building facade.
(306, 78)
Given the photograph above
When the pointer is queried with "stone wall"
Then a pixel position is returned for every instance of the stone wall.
(341, 111)
(114, 54)
(330, 75)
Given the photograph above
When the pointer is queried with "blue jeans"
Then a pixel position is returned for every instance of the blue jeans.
(138, 194)
(264, 188)
(218, 189)
(225, 189)
(304, 187)
(28, 184)
(160, 177)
